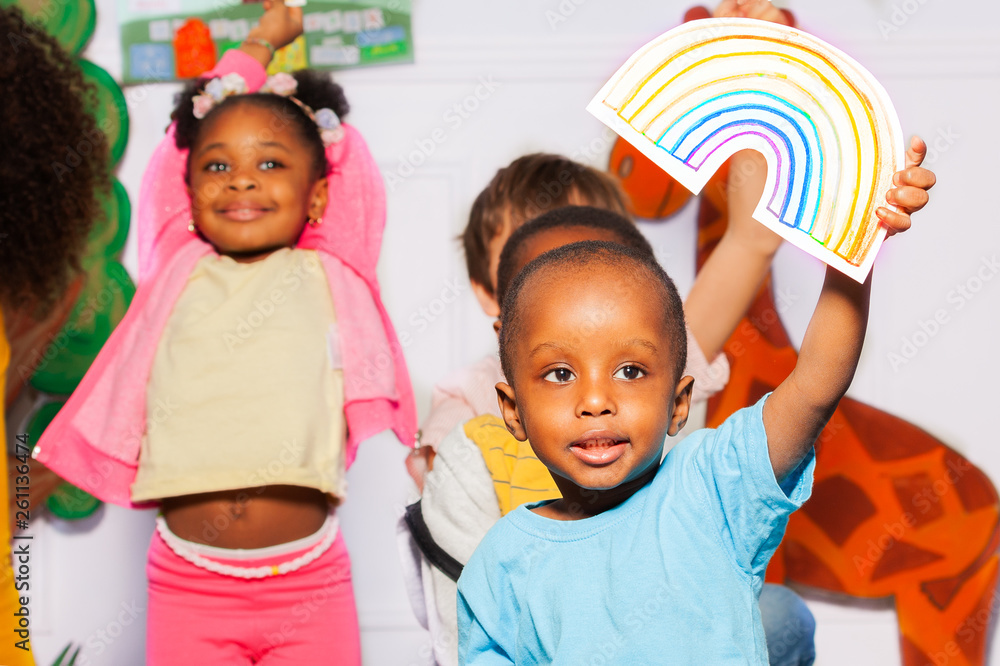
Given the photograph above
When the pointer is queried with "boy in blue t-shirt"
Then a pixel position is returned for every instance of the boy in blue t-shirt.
(641, 561)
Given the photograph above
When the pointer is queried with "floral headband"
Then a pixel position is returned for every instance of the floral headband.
(283, 84)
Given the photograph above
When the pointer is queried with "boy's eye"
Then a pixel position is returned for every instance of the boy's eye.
(216, 167)
(629, 372)
(558, 376)
(270, 164)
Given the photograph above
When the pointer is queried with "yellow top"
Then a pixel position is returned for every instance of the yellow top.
(9, 599)
(518, 475)
(4, 362)
(246, 387)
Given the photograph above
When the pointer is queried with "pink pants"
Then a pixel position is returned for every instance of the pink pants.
(300, 618)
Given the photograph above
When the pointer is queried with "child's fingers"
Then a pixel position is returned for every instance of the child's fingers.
(914, 177)
(894, 221)
(762, 10)
(916, 152)
(910, 198)
(726, 8)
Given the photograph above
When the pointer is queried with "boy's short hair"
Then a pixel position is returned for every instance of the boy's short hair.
(567, 217)
(523, 190)
(580, 255)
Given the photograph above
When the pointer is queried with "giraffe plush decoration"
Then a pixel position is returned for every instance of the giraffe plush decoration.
(894, 512)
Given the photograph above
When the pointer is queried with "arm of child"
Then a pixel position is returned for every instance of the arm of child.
(732, 274)
(279, 26)
(800, 407)
(728, 281)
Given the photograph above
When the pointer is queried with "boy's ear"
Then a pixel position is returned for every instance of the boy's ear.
(318, 199)
(682, 404)
(508, 409)
(487, 299)
(496, 326)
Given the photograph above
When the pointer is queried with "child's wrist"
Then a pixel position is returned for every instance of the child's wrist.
(259, 48)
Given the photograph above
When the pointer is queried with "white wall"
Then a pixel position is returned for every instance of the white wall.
(545, 59)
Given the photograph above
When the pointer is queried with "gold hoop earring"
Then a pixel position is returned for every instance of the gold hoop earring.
(191, 227)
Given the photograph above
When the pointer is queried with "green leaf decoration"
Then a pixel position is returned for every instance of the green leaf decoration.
(71, 22)
(42, 417)
(111, 111)
(61, 659)
(70, 503)
(107, 238)
(102, 304)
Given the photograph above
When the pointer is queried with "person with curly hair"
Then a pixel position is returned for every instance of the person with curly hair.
(255, 356)
(47, 205)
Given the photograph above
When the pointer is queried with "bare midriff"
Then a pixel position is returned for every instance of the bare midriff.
(247, 517)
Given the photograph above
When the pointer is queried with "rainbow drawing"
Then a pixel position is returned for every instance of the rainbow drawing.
(692, 97)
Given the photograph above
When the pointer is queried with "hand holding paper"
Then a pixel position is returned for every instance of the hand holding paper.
(910, 193)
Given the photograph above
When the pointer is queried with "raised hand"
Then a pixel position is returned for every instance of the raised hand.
(910, 193)
(280, 24)
(755, 9)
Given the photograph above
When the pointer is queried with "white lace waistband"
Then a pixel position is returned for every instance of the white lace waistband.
(206, 557)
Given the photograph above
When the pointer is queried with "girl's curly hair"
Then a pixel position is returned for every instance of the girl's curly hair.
(315, 89)
(55, 163)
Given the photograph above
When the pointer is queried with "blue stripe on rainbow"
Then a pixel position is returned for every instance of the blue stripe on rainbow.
(775, 120)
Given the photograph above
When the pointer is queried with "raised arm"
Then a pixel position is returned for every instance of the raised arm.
(800, 407)
(729, 280)
(279, 26)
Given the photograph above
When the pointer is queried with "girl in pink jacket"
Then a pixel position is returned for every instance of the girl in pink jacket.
(255, 356)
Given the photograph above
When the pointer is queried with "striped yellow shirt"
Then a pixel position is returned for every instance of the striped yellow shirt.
(518, 475)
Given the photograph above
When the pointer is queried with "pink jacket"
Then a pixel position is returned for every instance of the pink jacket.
(94, 440)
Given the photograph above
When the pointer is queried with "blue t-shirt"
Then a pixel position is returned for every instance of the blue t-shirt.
(670, 576)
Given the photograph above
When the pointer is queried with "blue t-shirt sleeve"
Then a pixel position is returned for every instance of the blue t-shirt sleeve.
(475, 644)
(480, 612)
(752, 507)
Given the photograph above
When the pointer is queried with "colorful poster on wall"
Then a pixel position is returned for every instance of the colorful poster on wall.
(166, 40)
